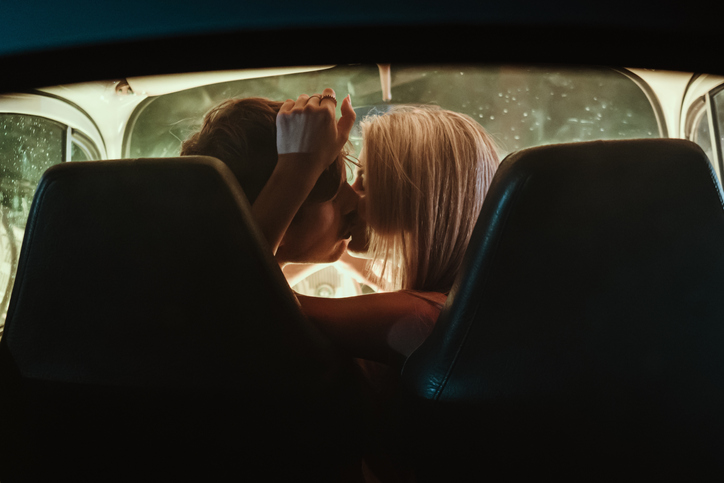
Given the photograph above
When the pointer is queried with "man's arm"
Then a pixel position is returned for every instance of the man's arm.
(308, 141)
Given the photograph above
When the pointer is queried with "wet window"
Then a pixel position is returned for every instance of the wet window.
(524, 107)
(28, 146)
(520, 107)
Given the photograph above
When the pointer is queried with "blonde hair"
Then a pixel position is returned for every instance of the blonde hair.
(426, 172)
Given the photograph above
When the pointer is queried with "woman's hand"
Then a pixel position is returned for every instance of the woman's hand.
(307, 128)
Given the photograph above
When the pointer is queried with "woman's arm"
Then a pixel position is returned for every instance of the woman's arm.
(383, 327)
(308, 141)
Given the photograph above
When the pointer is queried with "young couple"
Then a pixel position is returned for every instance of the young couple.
(423, 175)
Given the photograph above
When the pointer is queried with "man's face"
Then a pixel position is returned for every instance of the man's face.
(321, 231)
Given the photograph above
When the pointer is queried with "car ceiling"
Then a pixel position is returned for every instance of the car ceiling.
(43, 42)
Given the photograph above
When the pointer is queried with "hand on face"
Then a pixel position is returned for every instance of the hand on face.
(307, 126)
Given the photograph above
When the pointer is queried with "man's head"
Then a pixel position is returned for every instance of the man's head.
(242, 134)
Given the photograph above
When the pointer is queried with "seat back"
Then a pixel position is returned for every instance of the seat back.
(150, 328)
(585, 332)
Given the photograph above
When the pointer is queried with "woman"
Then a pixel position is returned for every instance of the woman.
(425, 172)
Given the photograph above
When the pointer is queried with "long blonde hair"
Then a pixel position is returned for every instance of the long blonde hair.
(426, 172)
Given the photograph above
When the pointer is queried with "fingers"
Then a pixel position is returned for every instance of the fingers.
(314, 100)
(301, 101)
(287, 106)
(346, 122)
(328, 99)
(307, 125)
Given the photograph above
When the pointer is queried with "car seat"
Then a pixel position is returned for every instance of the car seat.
(583, 337)
(152, 335)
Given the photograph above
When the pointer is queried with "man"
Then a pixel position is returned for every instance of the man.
(303, 204)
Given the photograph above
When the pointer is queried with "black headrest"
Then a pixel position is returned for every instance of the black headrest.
(588, 317)
(145, 284)
(121, 256)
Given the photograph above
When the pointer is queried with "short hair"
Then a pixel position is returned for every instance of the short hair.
(426, 172)
(242, 133)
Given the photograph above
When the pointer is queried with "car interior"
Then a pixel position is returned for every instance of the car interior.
(147, 333)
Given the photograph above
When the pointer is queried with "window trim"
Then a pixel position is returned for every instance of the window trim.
(131, 124)
(55, 109)
(84, 142)
(697, 105)
(650, 96)
(693, 116)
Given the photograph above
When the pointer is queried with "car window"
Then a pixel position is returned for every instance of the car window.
(28, 146)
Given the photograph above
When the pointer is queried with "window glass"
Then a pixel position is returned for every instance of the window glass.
(718, 99)
(28, 146)
(524, 107)
(520, 107)
(702, 135)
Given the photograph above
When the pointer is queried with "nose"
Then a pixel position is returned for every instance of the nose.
(349, 199)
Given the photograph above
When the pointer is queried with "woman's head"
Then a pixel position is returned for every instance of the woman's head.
(426, 173)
